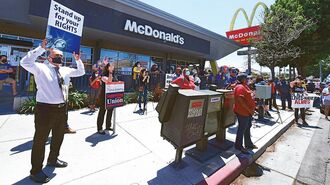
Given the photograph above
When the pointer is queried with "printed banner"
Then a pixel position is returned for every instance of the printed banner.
(64, 28)
(114, 94)
(195, 108)
(301, 100)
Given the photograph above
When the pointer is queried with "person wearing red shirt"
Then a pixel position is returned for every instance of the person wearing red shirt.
(244, 107)
(185, 81)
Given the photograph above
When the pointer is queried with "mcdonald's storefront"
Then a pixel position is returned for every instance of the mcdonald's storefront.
(126, 31)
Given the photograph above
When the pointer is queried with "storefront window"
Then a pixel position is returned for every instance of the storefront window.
(126, 62)
(110, 54)
(144, 61)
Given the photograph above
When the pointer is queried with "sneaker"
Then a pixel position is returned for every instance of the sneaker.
(101, 132)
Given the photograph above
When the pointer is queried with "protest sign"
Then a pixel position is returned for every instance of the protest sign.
(301, 100)
(64, 28)
(168, 80)
(114, 94)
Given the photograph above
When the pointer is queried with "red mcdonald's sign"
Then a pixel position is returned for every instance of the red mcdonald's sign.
(245, 35)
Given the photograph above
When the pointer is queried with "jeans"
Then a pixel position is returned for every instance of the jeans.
(244, 125)
(286, 98)
(46, 119)
(143, 94)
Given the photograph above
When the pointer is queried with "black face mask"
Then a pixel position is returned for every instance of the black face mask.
(57, 60)
(4, 60)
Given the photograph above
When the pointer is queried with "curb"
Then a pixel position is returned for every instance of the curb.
(234, 168)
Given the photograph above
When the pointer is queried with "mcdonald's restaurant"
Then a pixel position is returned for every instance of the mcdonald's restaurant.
(125, 31)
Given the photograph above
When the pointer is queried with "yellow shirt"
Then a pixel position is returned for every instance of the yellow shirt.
(136, 71)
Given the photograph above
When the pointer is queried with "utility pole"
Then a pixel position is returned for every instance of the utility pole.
(249, 60)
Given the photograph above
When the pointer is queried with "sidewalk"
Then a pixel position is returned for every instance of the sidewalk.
(136, 154)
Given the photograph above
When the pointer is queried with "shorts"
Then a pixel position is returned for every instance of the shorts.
(6, 81)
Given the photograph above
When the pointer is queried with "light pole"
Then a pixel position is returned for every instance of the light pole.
(320, 63)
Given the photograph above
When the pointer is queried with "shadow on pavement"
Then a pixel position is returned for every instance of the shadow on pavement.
(25, 146)
(95, 138)
(186, 172)
(88, 112)
(27, 181)
(308, 126)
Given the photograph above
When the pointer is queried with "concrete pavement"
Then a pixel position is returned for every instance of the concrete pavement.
(136, 154)
(297, 157)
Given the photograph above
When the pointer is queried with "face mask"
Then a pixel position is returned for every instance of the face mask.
(57, 60)
(4, 61)
(187, 73)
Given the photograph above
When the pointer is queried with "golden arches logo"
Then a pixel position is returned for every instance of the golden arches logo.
(248, 20)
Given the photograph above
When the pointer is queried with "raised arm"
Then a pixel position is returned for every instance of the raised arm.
(28, 62)
(80, 67)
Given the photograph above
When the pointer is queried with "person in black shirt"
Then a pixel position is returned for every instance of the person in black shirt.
(108, 75)
(143, 89)
(298, 88)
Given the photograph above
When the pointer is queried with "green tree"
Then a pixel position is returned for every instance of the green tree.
(314, 41)
(278, 32)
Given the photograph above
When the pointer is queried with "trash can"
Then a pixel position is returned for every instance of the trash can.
(185, 124)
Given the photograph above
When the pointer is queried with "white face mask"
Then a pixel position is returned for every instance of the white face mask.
(187, 73)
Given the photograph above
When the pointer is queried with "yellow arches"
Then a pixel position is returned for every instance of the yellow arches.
(248, 20)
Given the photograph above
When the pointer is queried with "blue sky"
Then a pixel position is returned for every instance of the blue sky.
(214, 15)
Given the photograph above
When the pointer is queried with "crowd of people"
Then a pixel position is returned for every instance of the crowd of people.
(53, 79)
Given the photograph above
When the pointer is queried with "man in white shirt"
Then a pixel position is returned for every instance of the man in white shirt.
(50, 113)
(326, 100)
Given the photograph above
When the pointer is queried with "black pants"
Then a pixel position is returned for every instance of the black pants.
(302, 113)
(284, 99)
(47, 118)
(100, 118)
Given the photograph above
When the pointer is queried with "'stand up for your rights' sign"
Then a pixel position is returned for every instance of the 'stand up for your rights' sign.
(64, 28)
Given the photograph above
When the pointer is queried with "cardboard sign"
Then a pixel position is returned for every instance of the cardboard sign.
(64, 28)
(301, 100)
(114, 94)
(195, 108)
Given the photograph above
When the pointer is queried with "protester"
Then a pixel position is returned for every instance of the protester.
(209, 78)
(185, 81)
(272, 100)
(154, 77)
(136, 73)
(326, 100)
(197, 81)
(108, 75)
(244, 107)
(143, 90)
(5, 71)
(50, 112)
(95, 85)
(285, 93)
(231, 83)
(310, 86)
(177, 73)
(298, 88)
(221, 78)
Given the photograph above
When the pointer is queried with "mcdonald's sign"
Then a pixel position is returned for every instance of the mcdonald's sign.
(246, 35)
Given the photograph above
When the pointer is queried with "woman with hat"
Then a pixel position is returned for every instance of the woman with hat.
(244, 107)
